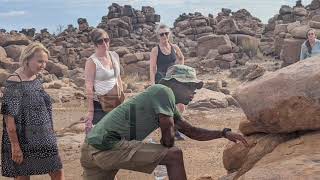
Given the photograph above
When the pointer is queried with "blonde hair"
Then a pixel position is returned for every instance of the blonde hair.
(96, 34)
(29, 52)
(163, 26)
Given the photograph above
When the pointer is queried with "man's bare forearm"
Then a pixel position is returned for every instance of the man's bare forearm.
(196, 133)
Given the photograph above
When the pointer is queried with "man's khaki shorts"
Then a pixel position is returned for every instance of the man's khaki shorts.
(130, 155)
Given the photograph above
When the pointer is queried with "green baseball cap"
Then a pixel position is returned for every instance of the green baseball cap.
(184, 74)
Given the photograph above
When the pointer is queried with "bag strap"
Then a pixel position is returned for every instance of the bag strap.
(119, 89)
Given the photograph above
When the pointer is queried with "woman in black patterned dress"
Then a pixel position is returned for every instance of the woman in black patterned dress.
(29, 145)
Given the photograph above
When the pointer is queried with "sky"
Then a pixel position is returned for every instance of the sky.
(18, 14)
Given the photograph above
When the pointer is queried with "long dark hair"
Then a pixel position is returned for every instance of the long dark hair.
(307, 41)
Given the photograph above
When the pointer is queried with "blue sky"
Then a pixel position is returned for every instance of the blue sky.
(17, 14)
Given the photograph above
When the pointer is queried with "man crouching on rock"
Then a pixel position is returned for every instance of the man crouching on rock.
(116, 141)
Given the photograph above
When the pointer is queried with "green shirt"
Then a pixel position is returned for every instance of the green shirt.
(135, 119)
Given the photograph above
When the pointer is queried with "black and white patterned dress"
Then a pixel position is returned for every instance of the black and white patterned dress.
(31, 108)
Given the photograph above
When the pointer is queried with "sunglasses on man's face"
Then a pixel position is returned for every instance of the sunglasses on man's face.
(309, 34)
(165, 33)
(100, 41)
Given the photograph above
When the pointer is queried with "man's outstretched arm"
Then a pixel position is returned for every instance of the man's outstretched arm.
(166, 124)
(201, 134)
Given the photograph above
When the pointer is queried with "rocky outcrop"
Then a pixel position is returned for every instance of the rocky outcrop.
(211, 42)
(225, 51)
(28, 32)
(14, 51)
(280, 131)
(191, 28)
(279, 164)
(122, 21)
(13, 38)
(289, 96)
(194, 26)
(208, 99)
(290, 52)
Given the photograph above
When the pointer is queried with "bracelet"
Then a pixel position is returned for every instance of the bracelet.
(224, 131)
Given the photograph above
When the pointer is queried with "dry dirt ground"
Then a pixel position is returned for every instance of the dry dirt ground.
(201, 158)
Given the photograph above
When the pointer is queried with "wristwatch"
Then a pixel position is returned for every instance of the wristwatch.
(224, 131)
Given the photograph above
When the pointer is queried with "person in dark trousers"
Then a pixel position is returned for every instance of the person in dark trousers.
(116, 141)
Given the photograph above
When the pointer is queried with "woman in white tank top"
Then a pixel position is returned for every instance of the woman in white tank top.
(102, 73)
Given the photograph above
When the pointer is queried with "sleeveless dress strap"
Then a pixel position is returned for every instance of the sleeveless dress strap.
(15, 74)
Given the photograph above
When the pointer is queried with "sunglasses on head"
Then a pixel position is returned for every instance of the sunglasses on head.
(100, 41)
(165, 33)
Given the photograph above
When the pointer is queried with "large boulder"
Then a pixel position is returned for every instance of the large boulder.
(13, 39)
(315, 4)
(316, 18)
(300, 11)
(206, 43)
(132, 58)
(14, 51)
(3, 76)
(290, 52)
(9, 64)
(285, 9)
(227, 26)
(293, 25)
(300, 32)
(121, 51)
(3, 53)
(314, 24)
(222, 61)
(249, 44)
(208, 99)
(279, 28)
(284, 101)
(278, 44)
(237, 157)
(57, 69)
(295, 159)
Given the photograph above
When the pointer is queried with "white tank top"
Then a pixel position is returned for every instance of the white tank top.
(105, 78)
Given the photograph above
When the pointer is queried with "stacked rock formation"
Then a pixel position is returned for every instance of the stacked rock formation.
(282, 126)
(11, 46)
(194, 26)
(121, 21)
(225, 51)
(205, 36)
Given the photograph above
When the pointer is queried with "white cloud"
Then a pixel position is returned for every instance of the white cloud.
(12, 13)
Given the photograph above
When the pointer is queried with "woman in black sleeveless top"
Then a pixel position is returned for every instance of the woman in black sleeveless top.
(162, 57)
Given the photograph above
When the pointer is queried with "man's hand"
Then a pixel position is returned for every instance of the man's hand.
(88, 122)
(236, 137)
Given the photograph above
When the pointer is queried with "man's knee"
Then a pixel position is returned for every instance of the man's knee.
(175, 154)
